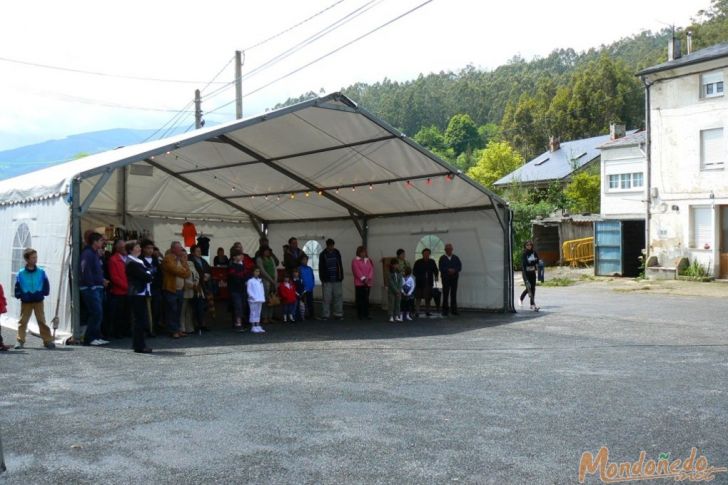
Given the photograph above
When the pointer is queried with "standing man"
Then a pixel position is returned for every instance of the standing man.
(31, 288)
(118, 304)
(331, 273)
(292, 256)
(425, 273)
(174, 271)
(91, 282)
(154, 299)
(450, 267)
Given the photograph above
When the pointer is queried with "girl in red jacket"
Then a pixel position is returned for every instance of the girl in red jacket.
(3, 309)
(287, 294)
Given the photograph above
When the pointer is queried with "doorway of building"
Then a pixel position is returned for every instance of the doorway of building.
(724, 241)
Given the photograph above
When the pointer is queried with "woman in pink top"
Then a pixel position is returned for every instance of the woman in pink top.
(363, 270)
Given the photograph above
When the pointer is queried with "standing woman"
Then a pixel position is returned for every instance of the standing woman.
(139, 279)
(529, 265)
(363, 270)
(267, 263)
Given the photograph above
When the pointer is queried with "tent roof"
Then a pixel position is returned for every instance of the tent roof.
(321, 159)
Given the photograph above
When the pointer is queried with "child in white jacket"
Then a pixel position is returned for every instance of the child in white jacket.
(256, 298)
(408, 291)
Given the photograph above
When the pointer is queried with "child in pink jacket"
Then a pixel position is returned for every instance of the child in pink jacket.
(363, 270)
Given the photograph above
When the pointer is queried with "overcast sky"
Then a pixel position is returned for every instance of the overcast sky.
(192, 41)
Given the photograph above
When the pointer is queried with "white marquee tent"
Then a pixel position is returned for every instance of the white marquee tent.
(319, 169)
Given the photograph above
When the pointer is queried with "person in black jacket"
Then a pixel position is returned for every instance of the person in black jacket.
(139, 278)
(450, 267)
(529, 265)
(426, 273)
(331, 274)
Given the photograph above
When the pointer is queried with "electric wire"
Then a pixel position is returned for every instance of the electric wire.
(313, 38)
(98, 73)
(275, 36)
(334, 51)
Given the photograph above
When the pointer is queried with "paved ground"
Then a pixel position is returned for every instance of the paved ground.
(482, 399)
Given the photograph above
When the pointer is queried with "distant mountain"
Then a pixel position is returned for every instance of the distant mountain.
(40, 155)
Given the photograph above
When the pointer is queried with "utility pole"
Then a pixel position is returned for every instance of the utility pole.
(238, 85)
(198, 110)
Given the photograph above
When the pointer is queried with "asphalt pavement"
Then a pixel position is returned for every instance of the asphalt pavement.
(478, 398)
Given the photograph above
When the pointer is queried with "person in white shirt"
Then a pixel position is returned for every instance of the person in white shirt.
(408, 294)
(256, 298)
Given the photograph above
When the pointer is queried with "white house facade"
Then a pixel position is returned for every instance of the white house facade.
(623, 169)
(620, 234)
(688, 154)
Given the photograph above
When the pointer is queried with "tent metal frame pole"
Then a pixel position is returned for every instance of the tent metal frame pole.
(294, 155)
(365, 235)
(257, 221)
(289, 174)
(95, 191)
(385, 216)
(357, 224)
(507, 255)
(75, 258)
(335, 187)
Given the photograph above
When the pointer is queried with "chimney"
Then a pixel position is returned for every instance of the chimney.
(673, 48)
(616, 131)
(554, 143)
(689, 43)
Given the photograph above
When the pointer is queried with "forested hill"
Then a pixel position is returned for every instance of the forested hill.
(567, 94)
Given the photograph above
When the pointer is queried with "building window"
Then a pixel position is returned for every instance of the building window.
(312, 249)
(701, 228)
(614, 181)
(21, 242)
(712, 150)
(711, 85)
(625, 181)
(434, 244)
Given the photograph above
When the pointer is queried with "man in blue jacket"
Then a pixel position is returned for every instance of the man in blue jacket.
(31, 288)
(450, 267)
(91, 282)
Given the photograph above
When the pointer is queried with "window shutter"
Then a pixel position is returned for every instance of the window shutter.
(711, 147)
(702, 227)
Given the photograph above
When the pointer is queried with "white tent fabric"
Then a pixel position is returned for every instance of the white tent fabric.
(325, 166)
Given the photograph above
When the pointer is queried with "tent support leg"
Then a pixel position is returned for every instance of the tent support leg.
(75, 261)
(365, 234)
(358, 225)
(507, 263)
(95, 191)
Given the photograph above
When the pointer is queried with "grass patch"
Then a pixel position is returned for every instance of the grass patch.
(558, 281)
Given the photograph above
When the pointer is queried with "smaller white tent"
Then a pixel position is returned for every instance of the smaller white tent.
(319, 169)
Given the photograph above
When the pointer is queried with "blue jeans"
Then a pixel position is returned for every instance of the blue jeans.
(173, 309)
(93, 301)
(289, 309)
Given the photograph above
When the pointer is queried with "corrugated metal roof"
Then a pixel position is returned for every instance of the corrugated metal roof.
(703, 55)
(638, 138)
(571, 156)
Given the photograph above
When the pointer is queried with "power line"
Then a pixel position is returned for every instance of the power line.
(98, 73)
(274, 36)
(357, 39)
(313, 38)
(389, 22)
(96, 102)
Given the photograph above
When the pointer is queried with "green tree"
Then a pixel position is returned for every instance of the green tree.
(583, 193)
(462, 134)
(495, 161)
(430, 137)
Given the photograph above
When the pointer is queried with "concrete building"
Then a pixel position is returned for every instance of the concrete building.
(620, 235)
(687, 121)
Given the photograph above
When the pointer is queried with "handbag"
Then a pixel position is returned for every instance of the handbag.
(273, 300)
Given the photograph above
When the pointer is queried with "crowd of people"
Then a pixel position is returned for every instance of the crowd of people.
(136, 291)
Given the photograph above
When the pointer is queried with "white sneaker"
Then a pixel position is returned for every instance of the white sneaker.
(391, 319)
(291, 318)
(520, 303)
(261, 329)
(98, 342)
(254, 329)
(285, 318)
(398, 319)
(408, 318)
